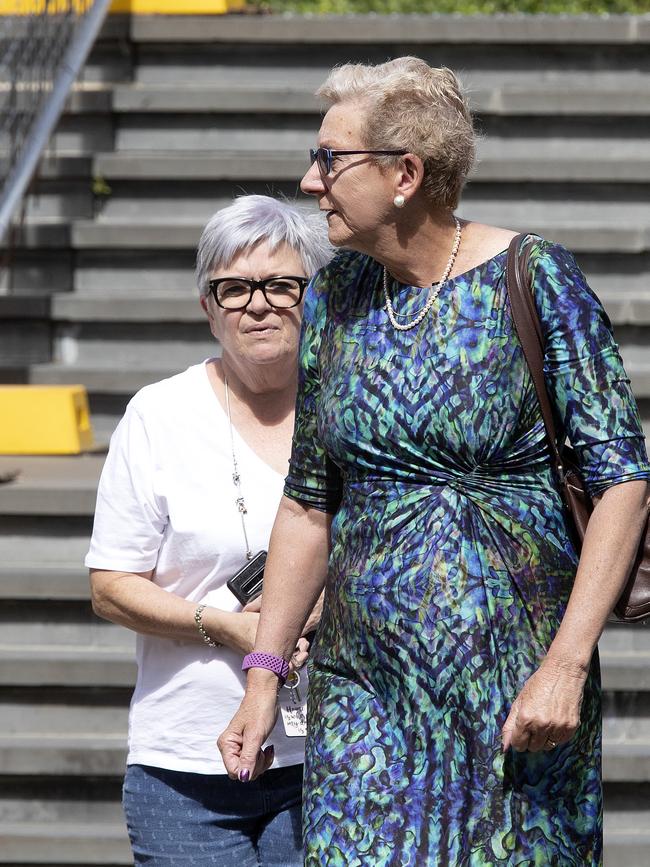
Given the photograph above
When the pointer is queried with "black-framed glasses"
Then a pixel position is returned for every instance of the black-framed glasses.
(324, 156)
(235, 293)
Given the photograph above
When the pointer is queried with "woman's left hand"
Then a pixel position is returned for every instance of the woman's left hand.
(546, 713)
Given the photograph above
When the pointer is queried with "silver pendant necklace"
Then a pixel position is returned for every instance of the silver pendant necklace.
(433, 292)
(239, 499)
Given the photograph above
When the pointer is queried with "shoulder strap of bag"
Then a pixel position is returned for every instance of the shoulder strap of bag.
(529, 330)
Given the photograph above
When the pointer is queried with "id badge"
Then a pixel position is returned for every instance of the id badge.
(294, 708)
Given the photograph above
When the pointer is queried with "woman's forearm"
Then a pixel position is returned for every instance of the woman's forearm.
(132, 600)
(294, 576)
(608, 551)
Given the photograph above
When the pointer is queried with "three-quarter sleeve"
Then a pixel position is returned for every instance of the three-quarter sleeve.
(314, 479)
(584, 374)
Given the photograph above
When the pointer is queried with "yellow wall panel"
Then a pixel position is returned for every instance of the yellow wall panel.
(132, 7)
(176, 7)
(44, 420)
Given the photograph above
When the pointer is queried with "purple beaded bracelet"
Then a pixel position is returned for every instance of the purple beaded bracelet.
(270, 661)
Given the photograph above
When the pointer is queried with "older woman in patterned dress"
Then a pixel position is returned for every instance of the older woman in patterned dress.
(454, 706)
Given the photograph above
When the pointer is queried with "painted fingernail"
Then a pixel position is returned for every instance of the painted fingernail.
(244, 775)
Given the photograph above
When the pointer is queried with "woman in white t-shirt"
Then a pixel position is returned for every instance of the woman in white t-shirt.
(188, 495)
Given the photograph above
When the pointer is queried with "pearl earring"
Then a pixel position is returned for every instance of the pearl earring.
(398, 201)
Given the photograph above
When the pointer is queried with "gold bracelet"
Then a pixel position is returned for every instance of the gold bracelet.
(199, 622)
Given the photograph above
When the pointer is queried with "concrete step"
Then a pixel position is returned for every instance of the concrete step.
(626, 671)
(479, 66)
(111, 388)
(627, 849)
(625, 638)
(71, 666)
(68, 843)
(626, 716)
(57, 642)
(69, 755)
(137, 345)
(36, 718)
(55, 166)
(280, 153)
(139, 331)
(625, 308)
(42, 235)
(32, 581)
(388, 29)
(506, 204)
(68, 629)
(35, 544)
(104, 380)
(249, 92)
(60, 200)
(82, 133)
(584, 227)
(63, 187)
(111, 273)
(60, 642)
(626, 823)
(140, 346)
(93, 803)
(83, 754)
(47, 521)
(150, 308)
(106, 843)
(51, 800)
(626, 762)
(25, 330)
(50, 487)
(55, 663)
(37, 271)
(138, 274)
(580, 233)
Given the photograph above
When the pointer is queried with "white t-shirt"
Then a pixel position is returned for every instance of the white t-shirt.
(166, 499)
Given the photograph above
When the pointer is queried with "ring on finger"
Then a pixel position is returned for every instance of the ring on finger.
(550, 743)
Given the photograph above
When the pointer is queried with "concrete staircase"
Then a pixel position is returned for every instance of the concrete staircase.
(174, 117)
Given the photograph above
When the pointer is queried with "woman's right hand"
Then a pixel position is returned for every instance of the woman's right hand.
(241, 742)
(235, 629)
(244, 627)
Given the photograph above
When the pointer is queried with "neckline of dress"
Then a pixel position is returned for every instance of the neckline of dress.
(456, 276)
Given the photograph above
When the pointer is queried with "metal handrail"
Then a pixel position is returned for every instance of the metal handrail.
(23, 170)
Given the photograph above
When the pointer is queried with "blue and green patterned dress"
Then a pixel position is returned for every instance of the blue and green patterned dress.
(451, 563)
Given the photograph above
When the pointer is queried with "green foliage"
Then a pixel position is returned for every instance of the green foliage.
(462, 7)
(100, 187)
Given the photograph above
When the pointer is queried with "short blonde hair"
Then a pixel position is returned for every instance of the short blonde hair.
(414, 107)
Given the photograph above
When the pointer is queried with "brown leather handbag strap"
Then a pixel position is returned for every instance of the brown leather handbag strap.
(529, 330)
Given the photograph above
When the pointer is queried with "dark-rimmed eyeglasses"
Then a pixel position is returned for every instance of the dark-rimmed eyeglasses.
(324, 156)
(235, 293)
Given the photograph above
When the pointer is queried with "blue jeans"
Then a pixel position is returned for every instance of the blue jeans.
(177, 818)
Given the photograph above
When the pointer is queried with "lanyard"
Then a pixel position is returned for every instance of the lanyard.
(239, 499)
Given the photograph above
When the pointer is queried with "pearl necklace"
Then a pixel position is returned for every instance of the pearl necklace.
(433, 293)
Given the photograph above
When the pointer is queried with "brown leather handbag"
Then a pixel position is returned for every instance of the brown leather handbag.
(634, 602)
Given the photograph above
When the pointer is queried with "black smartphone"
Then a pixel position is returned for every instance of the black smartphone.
(247, 583)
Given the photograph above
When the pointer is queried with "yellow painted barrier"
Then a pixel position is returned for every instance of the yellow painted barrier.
(176, 7)
(44, 420)
(128, 7)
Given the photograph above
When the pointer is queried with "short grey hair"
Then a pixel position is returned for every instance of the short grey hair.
(251, 220)
(414, 107)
